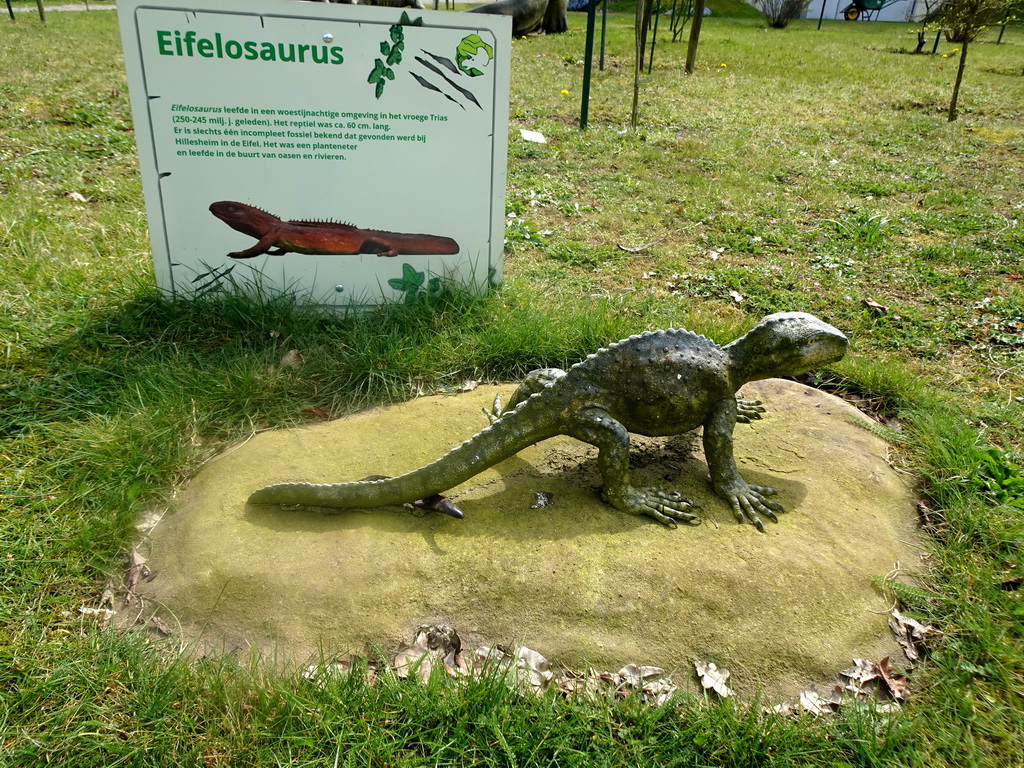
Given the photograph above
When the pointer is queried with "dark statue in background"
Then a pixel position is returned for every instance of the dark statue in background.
(529, 16)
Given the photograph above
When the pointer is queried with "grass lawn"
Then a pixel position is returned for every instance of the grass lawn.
(796, 169)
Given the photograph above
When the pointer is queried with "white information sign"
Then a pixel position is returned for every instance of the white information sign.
(348, 154)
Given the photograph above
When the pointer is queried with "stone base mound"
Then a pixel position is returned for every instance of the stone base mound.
(575, 580)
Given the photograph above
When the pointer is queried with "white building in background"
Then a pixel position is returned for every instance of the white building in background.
(898, 10)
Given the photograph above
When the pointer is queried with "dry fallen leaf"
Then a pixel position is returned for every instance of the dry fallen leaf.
(659, 691)
(861, 672)
(836, 699)
(896, 683)
(161, 626)
(417, 388)
(652, 682)
(910, 633)
(107, 597)
(136, 570)
(432, 645)
(1011, 584)
(813, 704)
(587, 683)
(413, 660)
(534, 669)
(292, 359)
(711, 677)
(644, 673)
(631, 675)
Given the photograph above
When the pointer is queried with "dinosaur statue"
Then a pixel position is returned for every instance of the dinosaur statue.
(657, 383)
(530, 16)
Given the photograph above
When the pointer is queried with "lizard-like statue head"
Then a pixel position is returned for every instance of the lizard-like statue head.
(786, 344)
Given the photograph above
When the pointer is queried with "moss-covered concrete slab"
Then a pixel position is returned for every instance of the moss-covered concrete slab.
(576, 580)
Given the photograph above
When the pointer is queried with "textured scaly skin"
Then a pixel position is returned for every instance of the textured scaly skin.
(658, 383)
(322, 237)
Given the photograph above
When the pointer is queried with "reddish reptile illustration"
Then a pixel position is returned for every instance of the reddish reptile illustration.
(321, 237)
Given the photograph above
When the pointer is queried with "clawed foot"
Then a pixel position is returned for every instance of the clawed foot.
(439, 503)
(494, 413)
(664, 506)
(750, 500)
(748, 410)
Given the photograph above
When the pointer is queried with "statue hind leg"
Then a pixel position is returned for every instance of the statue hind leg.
(597, 427)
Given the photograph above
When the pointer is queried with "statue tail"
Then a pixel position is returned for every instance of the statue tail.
(514, 431)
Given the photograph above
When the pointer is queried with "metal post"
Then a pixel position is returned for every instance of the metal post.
(10, 10)
(588, 56)
(604, 30)
(936, 46)
(654, 34)
(42, 13)
(822, 16)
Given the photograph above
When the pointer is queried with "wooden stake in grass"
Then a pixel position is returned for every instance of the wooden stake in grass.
(691, 52)
(643, 20)
(956, 83)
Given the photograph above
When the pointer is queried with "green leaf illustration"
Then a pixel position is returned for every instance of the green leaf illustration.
(411, 276)
(378, 71)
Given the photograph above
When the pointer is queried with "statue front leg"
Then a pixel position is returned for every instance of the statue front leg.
(746, 500)
(534, 382)
(597, 427)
